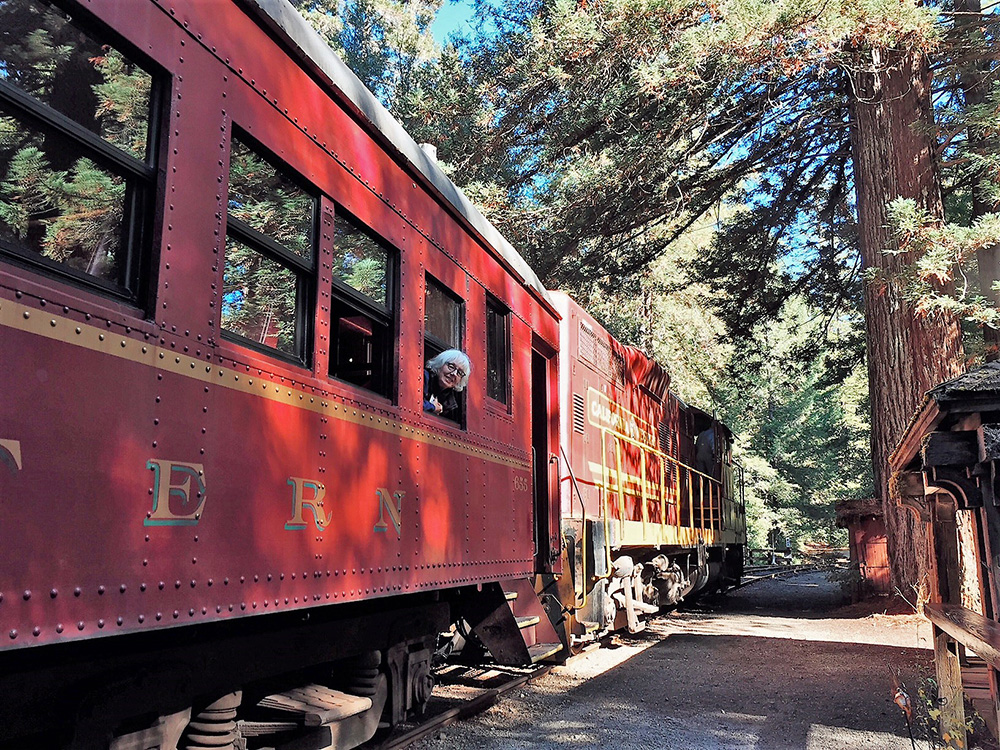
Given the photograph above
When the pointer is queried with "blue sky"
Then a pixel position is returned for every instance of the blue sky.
(455, 15)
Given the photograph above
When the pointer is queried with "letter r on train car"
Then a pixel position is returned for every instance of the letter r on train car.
(395, 510)
(176, 504)
(314, 502)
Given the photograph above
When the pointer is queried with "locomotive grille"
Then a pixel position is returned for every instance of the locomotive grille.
(579, 413)
(587, 343)
(665, 438)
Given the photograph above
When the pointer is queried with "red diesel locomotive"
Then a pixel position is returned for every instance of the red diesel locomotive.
(225, 516)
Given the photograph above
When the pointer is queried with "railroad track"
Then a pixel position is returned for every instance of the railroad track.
(754, 573)
(460, 692)
(463, 691)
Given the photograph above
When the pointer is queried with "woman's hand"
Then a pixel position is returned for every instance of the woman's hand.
(437, 405)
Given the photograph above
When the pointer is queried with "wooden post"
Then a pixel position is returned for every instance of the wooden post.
(951, 699)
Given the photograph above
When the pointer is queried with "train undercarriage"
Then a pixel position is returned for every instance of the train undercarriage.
(614, 588)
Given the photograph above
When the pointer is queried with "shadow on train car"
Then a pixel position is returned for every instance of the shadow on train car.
(227, 519)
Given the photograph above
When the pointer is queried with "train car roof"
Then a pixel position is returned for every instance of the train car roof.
(284, 20)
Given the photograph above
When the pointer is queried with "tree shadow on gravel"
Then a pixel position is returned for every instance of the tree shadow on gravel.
(747, 691)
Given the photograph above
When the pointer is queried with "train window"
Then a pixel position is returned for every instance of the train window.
(362, 307)
(442, 320)
(443, 328)
(268, 277)
(497, 351)
(76, 147)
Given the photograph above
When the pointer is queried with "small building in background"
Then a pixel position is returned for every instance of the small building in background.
(869, 555)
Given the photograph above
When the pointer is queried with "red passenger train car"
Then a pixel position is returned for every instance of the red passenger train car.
(225, 516)
(223, 267)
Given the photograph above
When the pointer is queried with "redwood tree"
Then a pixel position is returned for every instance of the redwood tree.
(894, 154)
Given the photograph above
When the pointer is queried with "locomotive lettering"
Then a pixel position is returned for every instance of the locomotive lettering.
(10, 454)
(300, 502)
(608, 415)
(395, 510)
(164, 491)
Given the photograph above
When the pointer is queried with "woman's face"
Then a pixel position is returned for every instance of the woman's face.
(450, 375)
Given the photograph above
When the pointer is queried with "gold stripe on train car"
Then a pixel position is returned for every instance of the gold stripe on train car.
(58, 328)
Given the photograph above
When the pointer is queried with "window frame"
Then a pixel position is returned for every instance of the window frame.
(144, 186)
(461, 419)
(503, 313)
(460, 306)
(271, 249)
(387, 315)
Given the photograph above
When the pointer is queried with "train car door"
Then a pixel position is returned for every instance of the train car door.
(544, 434)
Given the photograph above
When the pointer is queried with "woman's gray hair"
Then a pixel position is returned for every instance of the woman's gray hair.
(459, 358)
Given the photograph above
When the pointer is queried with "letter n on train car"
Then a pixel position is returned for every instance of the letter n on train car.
(176, 504)
(395, 510)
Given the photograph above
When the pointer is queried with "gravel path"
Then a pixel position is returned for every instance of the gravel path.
(778, 664)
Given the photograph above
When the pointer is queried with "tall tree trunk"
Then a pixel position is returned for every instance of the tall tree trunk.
(973, 78)
(893, 145)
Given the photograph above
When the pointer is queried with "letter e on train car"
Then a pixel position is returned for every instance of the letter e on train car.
(180, 503)
(10, 455)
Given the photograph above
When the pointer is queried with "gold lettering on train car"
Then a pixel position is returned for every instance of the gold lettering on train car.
(10, 454)
(164, 491)
(610, 415)
(395, 510)
(314, 503)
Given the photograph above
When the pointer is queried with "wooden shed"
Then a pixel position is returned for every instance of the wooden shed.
(869, 555)
(945, 470)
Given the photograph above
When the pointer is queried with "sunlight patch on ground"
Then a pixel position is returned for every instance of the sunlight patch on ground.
(901, 631)
(822, 738)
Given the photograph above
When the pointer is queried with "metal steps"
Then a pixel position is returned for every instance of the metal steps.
(510, 621)
(316, 705)
(541, 651)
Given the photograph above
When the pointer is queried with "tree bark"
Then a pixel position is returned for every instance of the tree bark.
(894, 151)
(973, 78)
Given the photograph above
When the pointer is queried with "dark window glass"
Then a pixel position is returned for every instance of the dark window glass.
(268, 275)
(260, 298)
(268, 201)
(75, 136)
(497, 351)
(47, 56)
(442, 318)
(362, 308)
(443, 325)
(361, 262)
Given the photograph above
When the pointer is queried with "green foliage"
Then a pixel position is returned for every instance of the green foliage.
(944, 275)
(806, 441)
(79, 210)
(260, 294)
(368, 277)
(259, 298)
(387, 43)
(123, 103)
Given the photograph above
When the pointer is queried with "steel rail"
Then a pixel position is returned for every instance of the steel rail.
(470, 708)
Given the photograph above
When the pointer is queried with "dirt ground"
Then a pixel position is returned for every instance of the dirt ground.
(777, 664)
